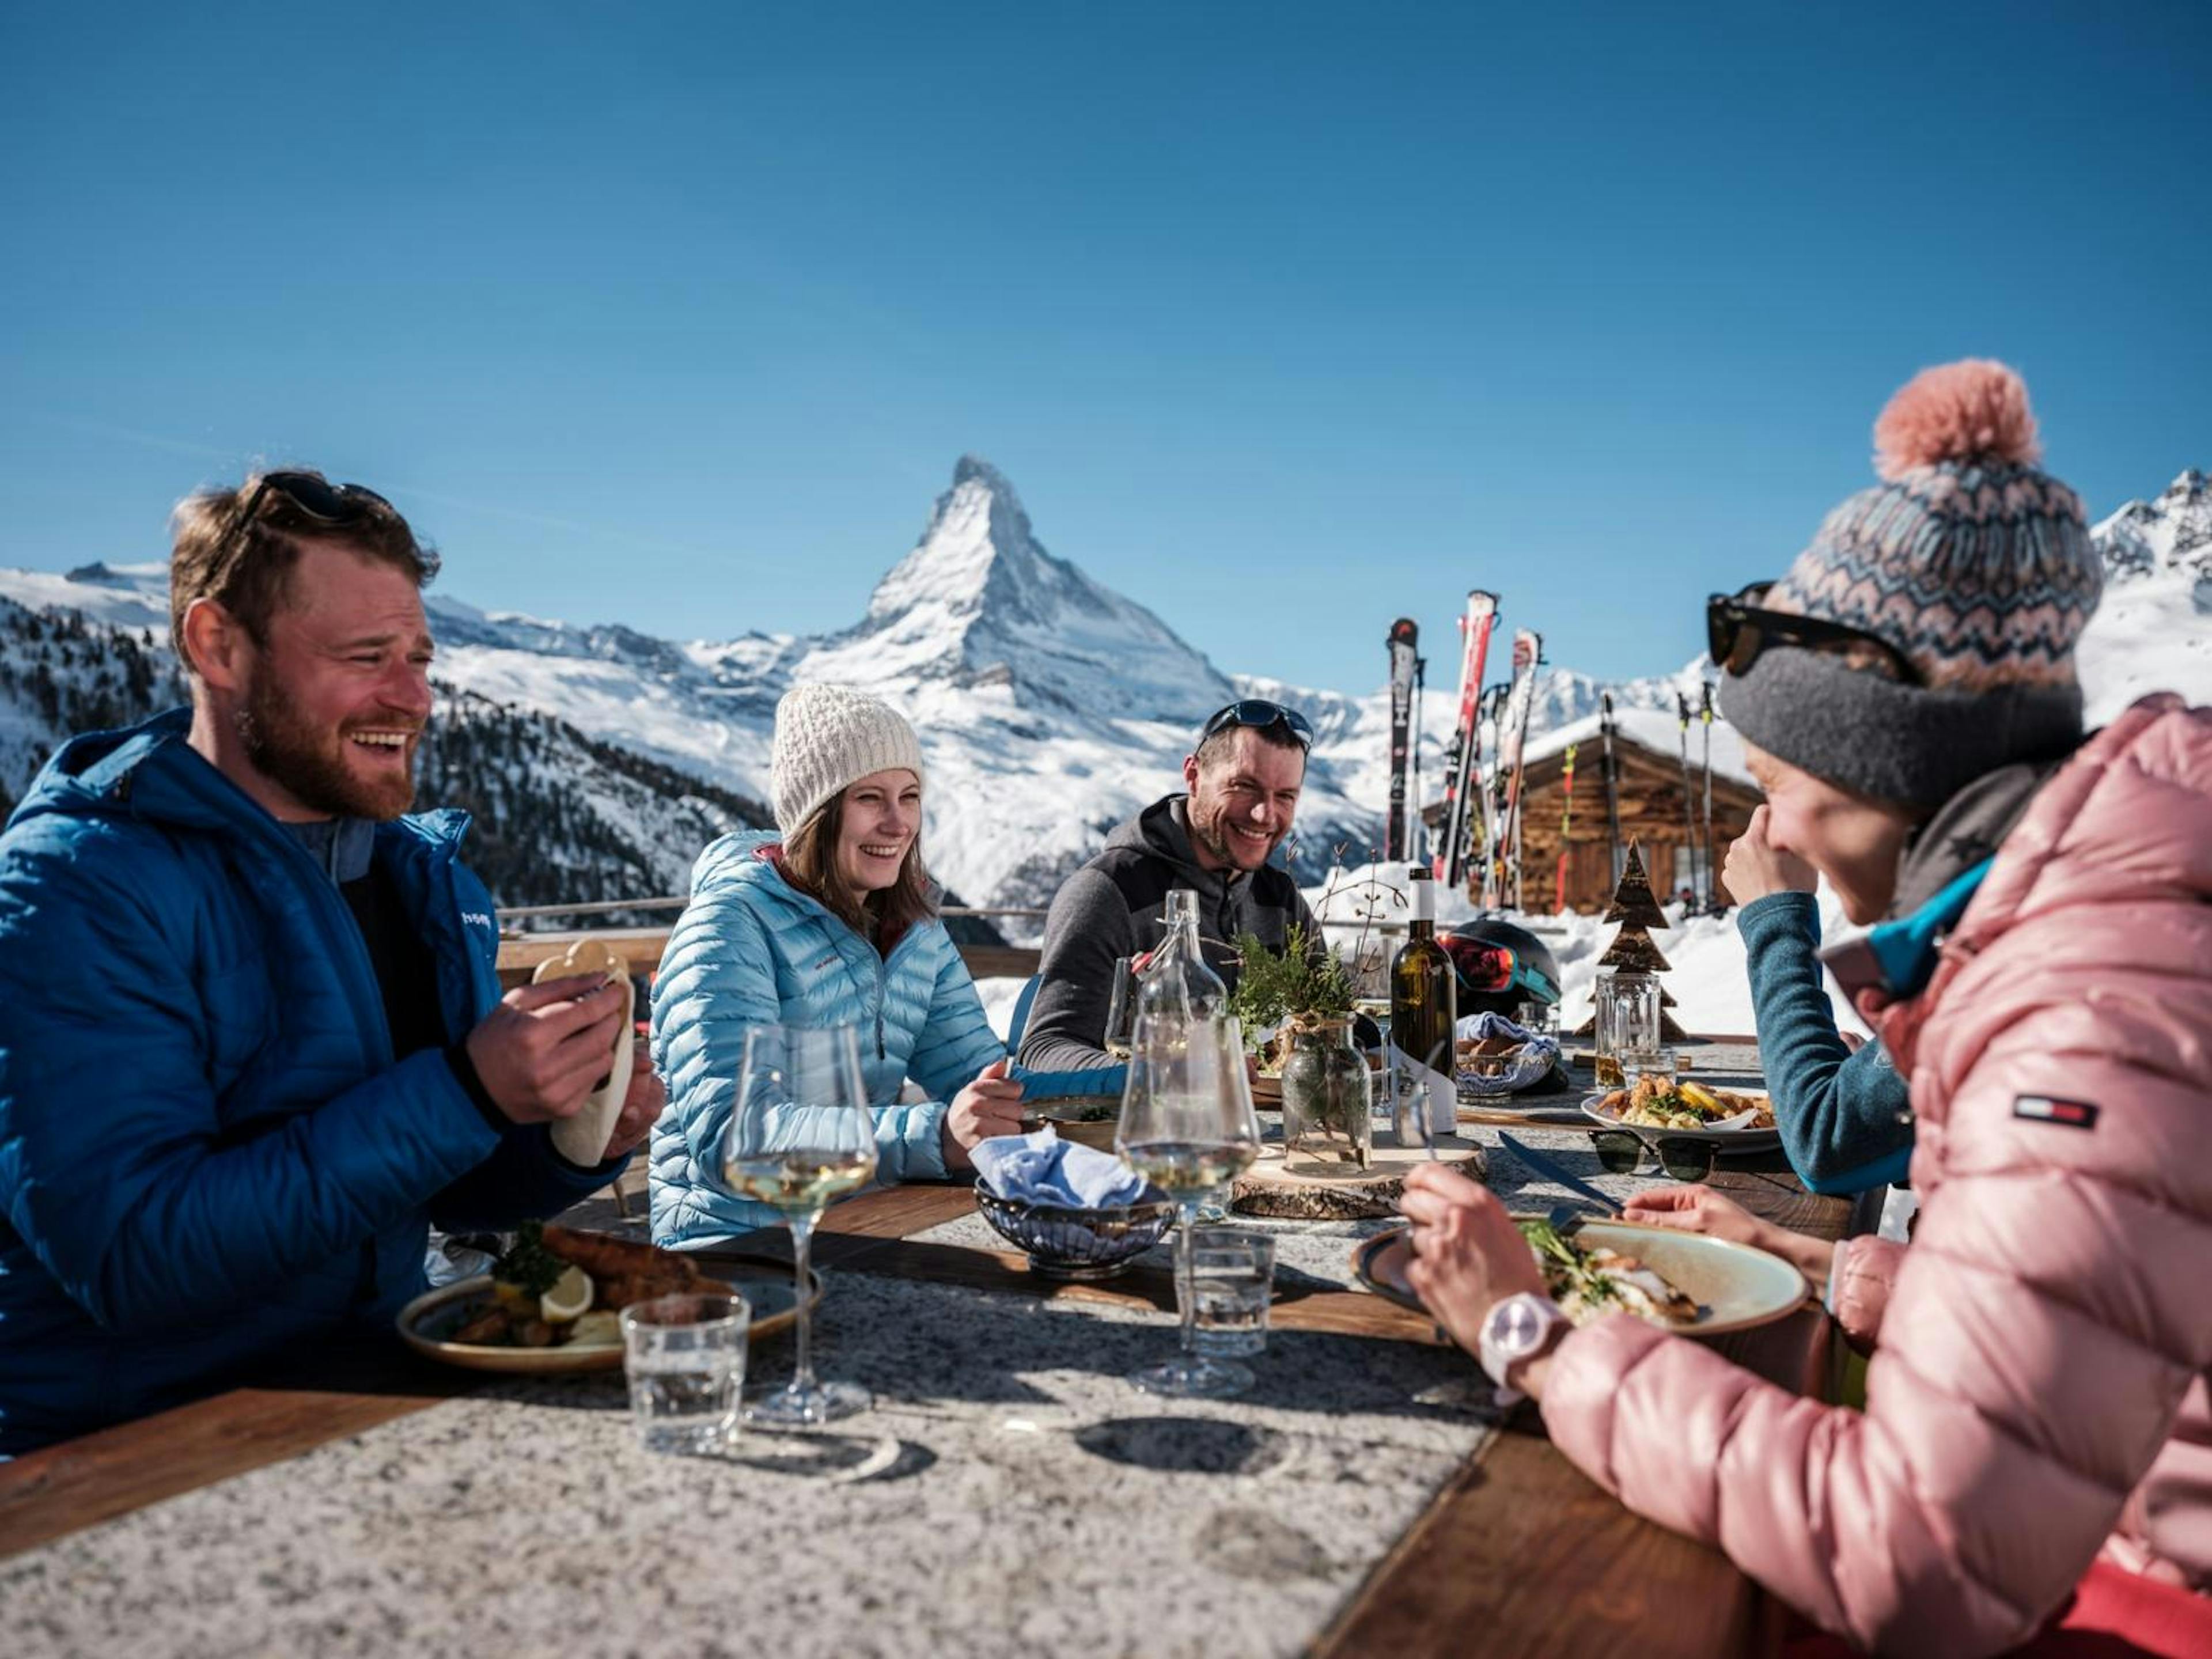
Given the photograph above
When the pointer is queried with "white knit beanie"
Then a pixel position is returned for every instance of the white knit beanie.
(826, 738)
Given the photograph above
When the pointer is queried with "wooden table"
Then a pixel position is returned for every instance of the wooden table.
(1518, 1545)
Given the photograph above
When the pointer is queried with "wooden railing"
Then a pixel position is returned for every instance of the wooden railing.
(519, 953)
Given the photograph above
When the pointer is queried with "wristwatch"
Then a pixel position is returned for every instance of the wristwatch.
(1515, 1331)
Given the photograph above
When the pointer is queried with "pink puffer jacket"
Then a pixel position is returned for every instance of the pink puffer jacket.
(2039, 1387)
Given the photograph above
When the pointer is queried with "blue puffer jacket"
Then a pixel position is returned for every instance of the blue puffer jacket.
(207, 1156)
(752, 949)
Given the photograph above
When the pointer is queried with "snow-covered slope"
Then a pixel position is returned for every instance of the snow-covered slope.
(1050, 706)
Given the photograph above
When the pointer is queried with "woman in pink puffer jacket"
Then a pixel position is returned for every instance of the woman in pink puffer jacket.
(2037, 1394)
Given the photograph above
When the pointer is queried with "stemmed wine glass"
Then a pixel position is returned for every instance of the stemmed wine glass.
(801, 1133)
(1187, 1127)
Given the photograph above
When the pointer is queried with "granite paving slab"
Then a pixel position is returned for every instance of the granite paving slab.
(1010, 1493)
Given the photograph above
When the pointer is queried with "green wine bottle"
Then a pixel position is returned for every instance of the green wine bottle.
(1423, 1009)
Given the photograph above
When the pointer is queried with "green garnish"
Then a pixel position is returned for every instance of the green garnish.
(528, 1265)
(1565, 1267)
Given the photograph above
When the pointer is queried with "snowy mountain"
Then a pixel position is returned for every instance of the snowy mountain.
(1050, 706)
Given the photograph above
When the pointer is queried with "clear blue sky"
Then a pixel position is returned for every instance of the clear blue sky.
(679, 315)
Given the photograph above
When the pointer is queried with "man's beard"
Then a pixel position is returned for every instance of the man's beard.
(310, 764)
(1209, 829)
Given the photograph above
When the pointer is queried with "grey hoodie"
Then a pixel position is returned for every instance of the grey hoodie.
(1112, 907)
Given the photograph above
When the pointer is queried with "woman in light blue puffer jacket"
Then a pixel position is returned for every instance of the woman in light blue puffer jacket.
(831, 922)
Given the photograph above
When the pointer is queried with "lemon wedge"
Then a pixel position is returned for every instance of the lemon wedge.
(1699, 1098)
(603, 1325)
(570, 1296)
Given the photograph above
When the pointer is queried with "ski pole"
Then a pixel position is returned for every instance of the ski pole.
(1689, 800)
(1705, 714)
(1566, 832)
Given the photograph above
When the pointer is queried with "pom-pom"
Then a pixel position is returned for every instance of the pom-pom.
(1975, 410)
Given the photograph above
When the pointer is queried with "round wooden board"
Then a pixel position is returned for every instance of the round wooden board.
(1267, 1188)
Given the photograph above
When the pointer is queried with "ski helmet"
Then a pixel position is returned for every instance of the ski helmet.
(1500, 967)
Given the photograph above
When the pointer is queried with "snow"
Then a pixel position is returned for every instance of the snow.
(1051, 708)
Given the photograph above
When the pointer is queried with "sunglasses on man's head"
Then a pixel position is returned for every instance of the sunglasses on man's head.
(1738, 632)
(332, 506)
(1259, 714)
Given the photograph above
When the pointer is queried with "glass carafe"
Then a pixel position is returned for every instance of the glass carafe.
(1176, 984)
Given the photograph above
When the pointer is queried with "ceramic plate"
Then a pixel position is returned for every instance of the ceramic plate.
(1728, 1140)
(1736, 1287)
(427, 1323)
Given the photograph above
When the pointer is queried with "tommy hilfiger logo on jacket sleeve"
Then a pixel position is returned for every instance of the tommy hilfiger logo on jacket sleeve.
(2041, 1109)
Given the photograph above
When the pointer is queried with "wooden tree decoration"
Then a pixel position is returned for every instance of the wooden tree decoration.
(1636, 907)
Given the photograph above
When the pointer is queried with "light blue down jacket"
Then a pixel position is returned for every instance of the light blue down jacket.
(751, 949)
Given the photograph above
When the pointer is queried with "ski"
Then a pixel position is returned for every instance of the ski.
(1512, 742)
(1566, 831)
(1402, 644)
(1705, 714)
(1462, 770)
(1689, 800)
(1483, 877)
(1612, 785)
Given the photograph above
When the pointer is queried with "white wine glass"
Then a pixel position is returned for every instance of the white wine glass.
(801, 1134)
(1188, 1127)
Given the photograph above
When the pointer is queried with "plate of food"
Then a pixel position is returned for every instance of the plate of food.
(1742, 1119)
(1685, 1282)
(550, 1303)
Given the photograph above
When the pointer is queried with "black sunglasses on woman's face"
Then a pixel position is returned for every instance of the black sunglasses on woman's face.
(1738, 631)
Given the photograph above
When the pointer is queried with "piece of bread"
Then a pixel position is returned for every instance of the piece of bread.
(582, 1139)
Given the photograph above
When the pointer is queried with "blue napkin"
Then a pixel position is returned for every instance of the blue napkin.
(1043, 1169)
(1526, 1070)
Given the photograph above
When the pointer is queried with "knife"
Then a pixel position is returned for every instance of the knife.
(1552, 1171)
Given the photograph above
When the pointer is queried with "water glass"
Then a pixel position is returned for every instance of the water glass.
(1232, 1280)
(685, 1358)
(1655, 1063)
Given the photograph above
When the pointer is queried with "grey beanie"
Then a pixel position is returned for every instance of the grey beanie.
(1970, 561)
(826, 738)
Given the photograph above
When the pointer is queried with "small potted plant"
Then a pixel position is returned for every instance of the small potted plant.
(1305, 996)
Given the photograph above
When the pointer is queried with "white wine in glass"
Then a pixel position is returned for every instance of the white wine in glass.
(1188, 1127)
(800, 1135)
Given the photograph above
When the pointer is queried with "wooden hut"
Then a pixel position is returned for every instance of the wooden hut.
(1649, 769)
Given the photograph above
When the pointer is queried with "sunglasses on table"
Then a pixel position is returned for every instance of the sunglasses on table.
(1738, 631)
(1259, 714)
(1619, 1153)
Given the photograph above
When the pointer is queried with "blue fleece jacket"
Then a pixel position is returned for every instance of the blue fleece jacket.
(750, 950)
(208, 1156)
(1841, 1113)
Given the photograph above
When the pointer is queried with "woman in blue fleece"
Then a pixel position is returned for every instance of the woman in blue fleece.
(830, 923)
(1843, 1112)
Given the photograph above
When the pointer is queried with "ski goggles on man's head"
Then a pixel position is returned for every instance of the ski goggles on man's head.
(1738, 632)
(1260, 714)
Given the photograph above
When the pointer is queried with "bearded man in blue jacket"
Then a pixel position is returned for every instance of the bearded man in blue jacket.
(252, 1041)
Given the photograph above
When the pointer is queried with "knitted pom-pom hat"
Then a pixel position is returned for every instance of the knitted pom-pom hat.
(1974, 563)
(827, 736)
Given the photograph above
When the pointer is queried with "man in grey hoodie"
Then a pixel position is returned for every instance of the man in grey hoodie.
(1243, 781)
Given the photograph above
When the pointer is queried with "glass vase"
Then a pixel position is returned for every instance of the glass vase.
(1327, 1099)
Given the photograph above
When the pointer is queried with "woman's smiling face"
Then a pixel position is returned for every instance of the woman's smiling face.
(880, 822)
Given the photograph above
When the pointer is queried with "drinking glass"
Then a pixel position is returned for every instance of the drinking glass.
(1187, 1127)
(1121, 1008)
(1232, 1280)
(1627, 1017)
(800, 1134)
(1657, 1063)
(685, 1357)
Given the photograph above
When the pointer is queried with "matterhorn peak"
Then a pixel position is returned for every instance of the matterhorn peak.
(980, 601)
